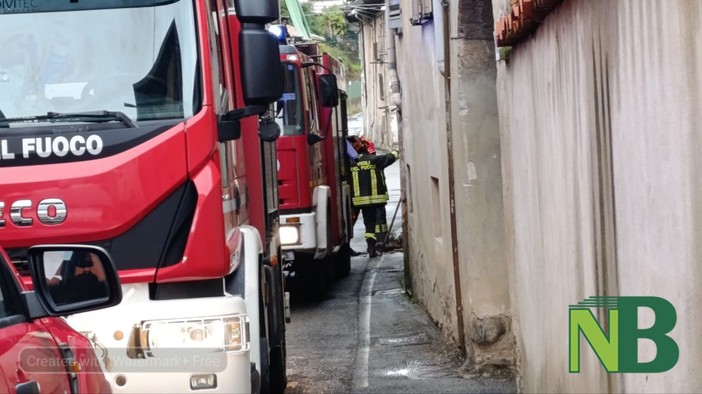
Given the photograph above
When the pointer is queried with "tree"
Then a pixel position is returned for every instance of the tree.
(334, 23)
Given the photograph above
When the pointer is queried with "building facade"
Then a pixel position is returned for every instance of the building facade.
(446, 115)
(549, 155)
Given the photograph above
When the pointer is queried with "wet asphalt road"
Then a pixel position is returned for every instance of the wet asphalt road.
(368, 336)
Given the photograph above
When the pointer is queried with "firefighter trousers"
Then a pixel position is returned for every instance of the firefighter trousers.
(375, 221)
(381, 223)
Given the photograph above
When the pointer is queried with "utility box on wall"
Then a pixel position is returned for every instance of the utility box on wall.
(394, 16)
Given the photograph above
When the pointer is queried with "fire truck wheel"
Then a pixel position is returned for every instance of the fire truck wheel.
(323, 270)
(318, 277)
(343, 261)
(277, 371)
(278, 377)
(265, 368)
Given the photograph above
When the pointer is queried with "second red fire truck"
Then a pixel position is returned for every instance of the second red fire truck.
(314, 193)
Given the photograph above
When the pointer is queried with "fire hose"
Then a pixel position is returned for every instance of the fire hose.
(393, 218)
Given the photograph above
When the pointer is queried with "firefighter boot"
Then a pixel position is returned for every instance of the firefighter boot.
(372, 252)
(380, 244)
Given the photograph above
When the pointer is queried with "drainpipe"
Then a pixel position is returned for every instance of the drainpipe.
(396, 93)
(362, 57)
(439, 40)
(442, 49)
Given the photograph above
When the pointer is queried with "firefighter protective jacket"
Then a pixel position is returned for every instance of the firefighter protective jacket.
(368, 179)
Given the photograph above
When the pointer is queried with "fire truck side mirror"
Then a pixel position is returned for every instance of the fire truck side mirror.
(70, 279)
(257, 11)
(268, 129)
(261, 73)
(328, 90)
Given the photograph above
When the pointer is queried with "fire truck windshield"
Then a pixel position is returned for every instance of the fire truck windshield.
(290, 104)
(140, 61)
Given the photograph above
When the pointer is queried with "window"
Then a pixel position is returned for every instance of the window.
(221, 94)
(436, 206)
(376, 55)
(311, 101)
(409, 189)
(289, 107)
(140, 59)
(420, 11)
(219, 87)
(381, 87)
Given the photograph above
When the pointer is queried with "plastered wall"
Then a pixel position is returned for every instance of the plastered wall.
(600, 119)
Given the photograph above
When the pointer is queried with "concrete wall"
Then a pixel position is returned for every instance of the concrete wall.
(601, 142)
(426, 175)
(478, 182)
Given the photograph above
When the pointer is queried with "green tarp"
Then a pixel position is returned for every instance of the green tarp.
(298, 18)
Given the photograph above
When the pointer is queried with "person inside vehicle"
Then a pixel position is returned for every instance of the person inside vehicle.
(79, 278)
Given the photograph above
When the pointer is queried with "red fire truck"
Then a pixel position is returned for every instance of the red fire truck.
(315, 200)
(142, 127)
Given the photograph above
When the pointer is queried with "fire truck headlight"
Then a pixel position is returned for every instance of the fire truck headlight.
(289, 235)
(221, 334)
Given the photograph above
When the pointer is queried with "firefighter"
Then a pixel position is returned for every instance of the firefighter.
(370, 192)
(381, 220)
(365, 146)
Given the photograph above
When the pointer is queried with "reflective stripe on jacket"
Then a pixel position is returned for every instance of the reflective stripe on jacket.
(368, 179)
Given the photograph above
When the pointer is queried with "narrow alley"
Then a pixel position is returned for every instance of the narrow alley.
(369, 336)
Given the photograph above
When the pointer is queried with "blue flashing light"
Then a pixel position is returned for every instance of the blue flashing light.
(281, 33)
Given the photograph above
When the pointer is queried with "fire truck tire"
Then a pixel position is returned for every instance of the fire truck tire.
(277, 371)
(278, 377)
(265, 368)
(318, 277)
(330, 243)
(319, 272)
(311, 281)
(343, 261)
(274, 379)
(255, 379)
